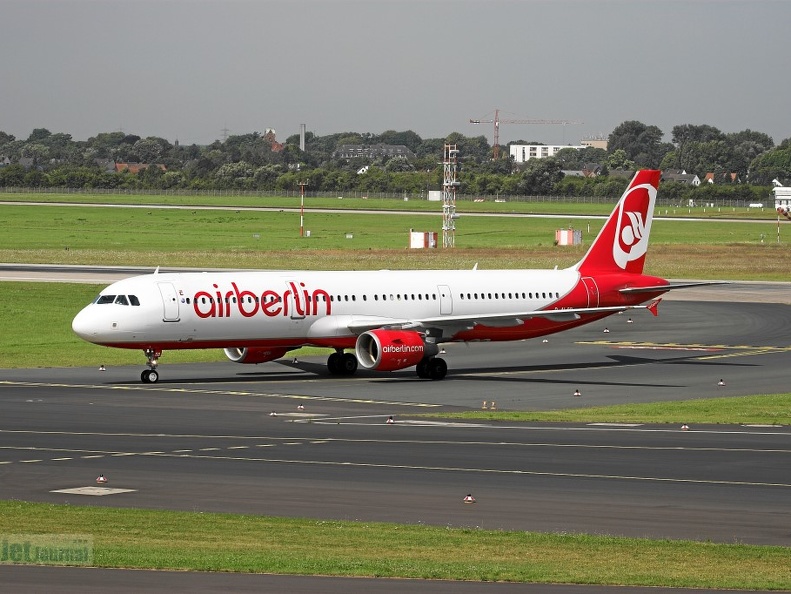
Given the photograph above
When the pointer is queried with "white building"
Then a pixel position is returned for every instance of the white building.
(782, 198)
(524, 152)
(599, 141)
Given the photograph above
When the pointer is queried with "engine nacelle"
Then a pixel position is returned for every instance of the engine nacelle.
(254, 354)
(389, 350)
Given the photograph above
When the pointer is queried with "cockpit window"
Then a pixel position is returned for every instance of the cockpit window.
(117, 299)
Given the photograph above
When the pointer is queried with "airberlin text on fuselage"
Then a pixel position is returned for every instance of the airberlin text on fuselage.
(226, 303)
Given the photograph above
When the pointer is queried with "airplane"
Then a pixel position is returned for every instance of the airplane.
(389, 319)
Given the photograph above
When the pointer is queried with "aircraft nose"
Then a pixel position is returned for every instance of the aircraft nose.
(83, 326)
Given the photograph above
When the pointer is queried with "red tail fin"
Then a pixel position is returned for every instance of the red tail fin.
(622, 243)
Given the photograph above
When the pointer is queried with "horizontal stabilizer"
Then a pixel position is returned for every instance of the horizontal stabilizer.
(670, 287)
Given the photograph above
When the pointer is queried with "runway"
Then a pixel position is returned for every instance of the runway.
(205, 438)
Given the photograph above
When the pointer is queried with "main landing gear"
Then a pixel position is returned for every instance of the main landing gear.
(432, 368)
(340, 363)
(151, 375)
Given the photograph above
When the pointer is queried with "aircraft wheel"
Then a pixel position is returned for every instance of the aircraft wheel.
(437, 368)
(149, 376)
(422, 368)
(334, 362)
(348, 364)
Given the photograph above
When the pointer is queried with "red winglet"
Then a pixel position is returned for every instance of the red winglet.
(653, 307)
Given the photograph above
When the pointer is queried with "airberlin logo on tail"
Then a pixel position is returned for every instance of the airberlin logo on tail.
(634, 223)
(295, 300)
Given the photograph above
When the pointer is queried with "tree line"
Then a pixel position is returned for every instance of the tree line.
(743, 164)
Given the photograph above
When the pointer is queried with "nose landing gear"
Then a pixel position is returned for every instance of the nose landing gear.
(151, 375)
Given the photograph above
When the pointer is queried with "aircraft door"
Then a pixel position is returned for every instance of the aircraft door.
(593, 291)
(294, 302)
(170, 302)
(445, 300)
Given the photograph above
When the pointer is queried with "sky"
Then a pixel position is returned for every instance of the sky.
(197, 70)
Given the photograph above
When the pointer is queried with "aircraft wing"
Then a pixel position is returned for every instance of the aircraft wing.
(499, 320)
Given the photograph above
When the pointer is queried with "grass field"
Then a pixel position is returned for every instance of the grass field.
(118, 236)
(24, 344)
(570, 206)
(223, 542)
(769, 409)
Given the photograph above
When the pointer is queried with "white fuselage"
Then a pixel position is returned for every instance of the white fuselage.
(220, 309)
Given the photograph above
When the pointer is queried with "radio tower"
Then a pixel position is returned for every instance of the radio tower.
(449, 185)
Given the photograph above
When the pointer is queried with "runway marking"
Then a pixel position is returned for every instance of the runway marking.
(615, 424)
(732, 350)
(347, 464)
(160, 388)
(95, 491)
(281, 441)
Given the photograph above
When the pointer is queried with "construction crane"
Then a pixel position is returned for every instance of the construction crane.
(497, 121)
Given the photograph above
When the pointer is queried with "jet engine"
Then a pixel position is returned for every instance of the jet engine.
(389, 350)
(254, 354)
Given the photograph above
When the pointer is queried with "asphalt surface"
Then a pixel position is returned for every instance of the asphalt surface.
(205, 438)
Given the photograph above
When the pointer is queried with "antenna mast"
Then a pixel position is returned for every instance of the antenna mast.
(449, 185)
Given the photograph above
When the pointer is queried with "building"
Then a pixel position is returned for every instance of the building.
(520, 153)
(782, 198)
(373, 151)
(599, 141)
(136, 168)
(681, 177)
(721, 178)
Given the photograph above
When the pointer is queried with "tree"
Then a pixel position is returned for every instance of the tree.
(774, 164)
(619, 160)
(12, 176)
(39, 135)
(688, 136)
(409, 139)
(398, 164)
(703, 149)
(540, 177)
(235, 175)
(641, 143)
(147, 150)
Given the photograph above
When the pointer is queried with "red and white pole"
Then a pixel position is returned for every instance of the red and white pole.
(302, 210)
